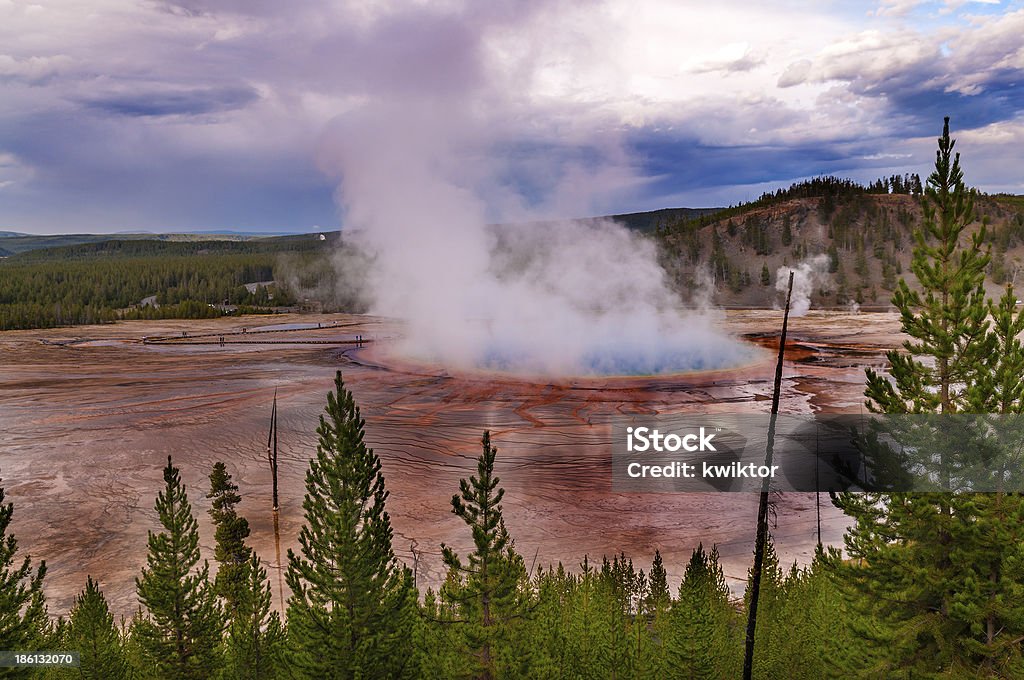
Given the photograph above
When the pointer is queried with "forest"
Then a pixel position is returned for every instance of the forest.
(107, 281)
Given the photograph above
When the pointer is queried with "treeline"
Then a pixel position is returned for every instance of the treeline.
(831, 190)
(102, 282)
(156, 247)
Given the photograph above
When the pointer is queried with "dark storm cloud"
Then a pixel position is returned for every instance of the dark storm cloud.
(684, 164)
(189, 102)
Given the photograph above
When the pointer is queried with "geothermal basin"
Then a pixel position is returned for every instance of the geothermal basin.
(88, 416)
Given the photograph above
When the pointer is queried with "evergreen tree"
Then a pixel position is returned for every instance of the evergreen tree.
(22, 606)
(947, 323)
(255, 640)
(702, 639)
(486, 589)
(1001, 390)
(766, 275)
(231, 552)
(352, 605)
(134, 653)
(91, 631)
(180, 638)
(807, 636)
(439, 645)
(598, 643)
(772, 654)
(936, 577)
(659, 597)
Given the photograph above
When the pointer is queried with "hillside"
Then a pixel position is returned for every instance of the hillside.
(652, 219)
(856, 246)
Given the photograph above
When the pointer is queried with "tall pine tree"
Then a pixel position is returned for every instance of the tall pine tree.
(702, 639)
(353, 605)
(181, 636)
(485, 589)
(936, 577)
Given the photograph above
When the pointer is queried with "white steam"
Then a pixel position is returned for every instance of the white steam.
(561, 298)
(807, 275)
(566, 298)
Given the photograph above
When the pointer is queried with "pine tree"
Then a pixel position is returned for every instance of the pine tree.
(92, 632)
(439, 646)
(486, 589)
(701, 640)
(231, 552)
(255, 639)
(22, 606)
(352, 605)
(181, 635)
(936, 577)
(807, 638)
(597, 642)
(659, 598)
(771, 659)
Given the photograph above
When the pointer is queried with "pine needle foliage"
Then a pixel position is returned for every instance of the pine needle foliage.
(230, 551)
(486, 588)
(92, 632)
(933, 583)
(181, 634)
(352, 607)
(23, 619)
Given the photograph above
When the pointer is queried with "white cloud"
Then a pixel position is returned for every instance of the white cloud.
(32, 69)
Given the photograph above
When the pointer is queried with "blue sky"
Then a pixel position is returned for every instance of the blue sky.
(120, 115)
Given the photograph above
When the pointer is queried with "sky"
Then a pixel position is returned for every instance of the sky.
(124, 115)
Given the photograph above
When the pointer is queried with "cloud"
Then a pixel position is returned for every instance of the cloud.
(647, 100)
(34, 70)
(164, 102)
(920, 76)
(733, 58)
(897, 7)
(901, 8)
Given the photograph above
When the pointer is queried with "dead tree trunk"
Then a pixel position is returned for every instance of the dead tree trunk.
(761, 540)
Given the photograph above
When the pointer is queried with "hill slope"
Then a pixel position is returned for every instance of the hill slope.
(854, 247)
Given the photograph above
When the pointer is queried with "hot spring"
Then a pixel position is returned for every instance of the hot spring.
(577, 351)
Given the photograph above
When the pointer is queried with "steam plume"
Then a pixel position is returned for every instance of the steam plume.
(807, 275)
(558, 298)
